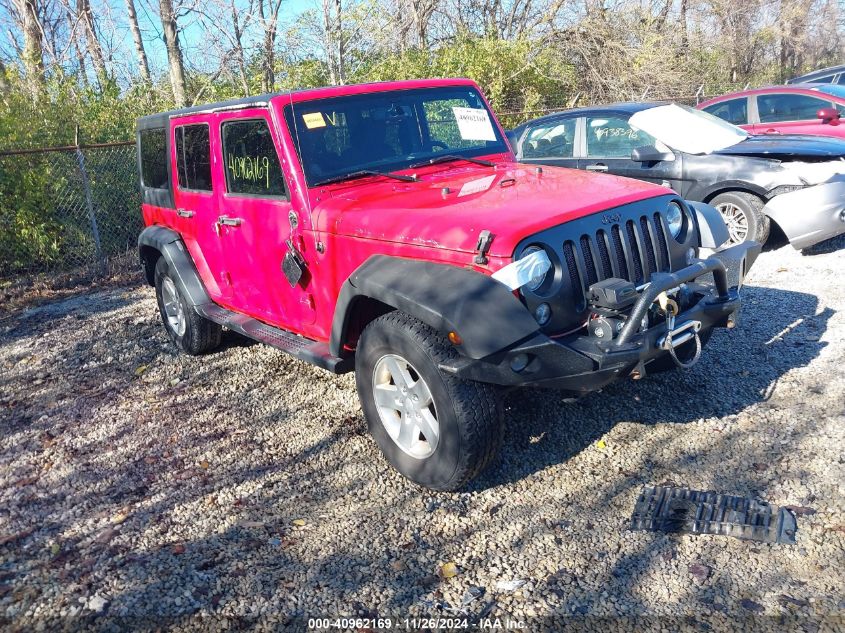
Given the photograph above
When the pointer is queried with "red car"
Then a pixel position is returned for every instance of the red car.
(387, 228)
(798, 109)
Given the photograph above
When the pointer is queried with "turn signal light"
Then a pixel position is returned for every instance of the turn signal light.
(455, 339)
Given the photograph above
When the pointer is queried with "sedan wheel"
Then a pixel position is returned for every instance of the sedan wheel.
(743, 215)
(736, 220)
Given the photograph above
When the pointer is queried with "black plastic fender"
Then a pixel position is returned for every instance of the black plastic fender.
(169, 243)
(712, 231)
(484, 313)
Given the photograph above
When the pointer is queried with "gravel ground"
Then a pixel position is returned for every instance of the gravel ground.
(139, 484)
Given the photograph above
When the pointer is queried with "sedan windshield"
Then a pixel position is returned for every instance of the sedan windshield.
(688, 130)
(389, 131)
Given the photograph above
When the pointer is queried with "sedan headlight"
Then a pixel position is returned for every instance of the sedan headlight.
(675, 219)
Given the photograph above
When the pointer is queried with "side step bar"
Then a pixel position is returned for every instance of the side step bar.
(310, 351)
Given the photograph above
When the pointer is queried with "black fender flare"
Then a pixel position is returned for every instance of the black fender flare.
(484, 313)
(168, 243)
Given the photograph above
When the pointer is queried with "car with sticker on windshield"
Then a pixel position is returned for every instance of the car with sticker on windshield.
(794, 182)
(388, 229)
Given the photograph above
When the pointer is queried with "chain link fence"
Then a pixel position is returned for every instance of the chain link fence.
(67, 209)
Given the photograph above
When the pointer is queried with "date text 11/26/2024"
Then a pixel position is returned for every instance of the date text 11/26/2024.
(416, 624)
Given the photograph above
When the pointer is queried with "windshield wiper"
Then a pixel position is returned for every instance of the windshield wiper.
(364, 172)
(451, 157)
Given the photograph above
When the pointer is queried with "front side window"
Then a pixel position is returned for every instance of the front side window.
(552, 140)
(193, 157)
(614, 137)
(154, 158)
(788, 107)
(250, 160)
(733, 111)
(390, 131)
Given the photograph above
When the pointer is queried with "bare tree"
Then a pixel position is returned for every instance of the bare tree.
(32, 53)
(95, 51)
(143, 64)
(270, 21)
(4, 83)
(174, 52)
(333, 40)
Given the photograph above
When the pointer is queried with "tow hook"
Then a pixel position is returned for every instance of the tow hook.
(677, 336)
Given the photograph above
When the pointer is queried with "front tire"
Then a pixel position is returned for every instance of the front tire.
(435, 429)
(190, 332)
(743, 213)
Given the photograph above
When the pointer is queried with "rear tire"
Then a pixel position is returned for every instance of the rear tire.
(190, 332)
(743, 213)
(435, 429)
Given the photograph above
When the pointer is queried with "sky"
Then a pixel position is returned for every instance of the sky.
(192, 36)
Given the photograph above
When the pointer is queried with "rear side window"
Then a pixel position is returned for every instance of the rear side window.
(552, 140)
(193, 157)
(154, 158)
(733, 111)
(788, 107)
(250, 159)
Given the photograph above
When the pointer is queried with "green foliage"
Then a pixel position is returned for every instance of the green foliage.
(516, 76)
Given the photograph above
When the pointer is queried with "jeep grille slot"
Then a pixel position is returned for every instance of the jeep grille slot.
(589, 263)
(574, 276)
(621, 259)
(604, 254)
(662, 248)
(649, 246)
(632, 252)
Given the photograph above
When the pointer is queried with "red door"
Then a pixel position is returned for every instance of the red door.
(256, 220)
(794, 113)
(191, 141)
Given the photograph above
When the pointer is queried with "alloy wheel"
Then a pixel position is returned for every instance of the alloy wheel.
(405, 406)
(736, 220)
(173, 307)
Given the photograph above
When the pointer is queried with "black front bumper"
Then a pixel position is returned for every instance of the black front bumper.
(582, 363)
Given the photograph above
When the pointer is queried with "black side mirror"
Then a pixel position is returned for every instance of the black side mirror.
(650, 154)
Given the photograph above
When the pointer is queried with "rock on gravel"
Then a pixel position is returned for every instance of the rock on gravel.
(243, 483)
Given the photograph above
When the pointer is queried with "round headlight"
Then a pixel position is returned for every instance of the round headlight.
(535, 282)
(675, 219)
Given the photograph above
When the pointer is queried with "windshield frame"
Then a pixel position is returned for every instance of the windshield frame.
(739, 134)
(292, 116)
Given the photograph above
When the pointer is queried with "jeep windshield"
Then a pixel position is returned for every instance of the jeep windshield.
(390, 131)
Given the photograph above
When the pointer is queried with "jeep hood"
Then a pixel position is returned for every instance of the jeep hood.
(449, 207)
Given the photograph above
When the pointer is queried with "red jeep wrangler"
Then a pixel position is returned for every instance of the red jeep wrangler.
(386, 228)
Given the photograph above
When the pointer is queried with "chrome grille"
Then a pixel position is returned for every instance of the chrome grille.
(632, 251)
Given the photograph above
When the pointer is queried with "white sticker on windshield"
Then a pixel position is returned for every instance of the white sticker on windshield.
(476, 186)
(474, 124)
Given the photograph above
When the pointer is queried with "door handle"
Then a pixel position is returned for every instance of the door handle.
(596, 167)
(772, 131)
(184, 213)
(225, 220)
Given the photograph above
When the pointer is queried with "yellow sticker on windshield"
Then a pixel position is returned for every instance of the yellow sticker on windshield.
(314, 119)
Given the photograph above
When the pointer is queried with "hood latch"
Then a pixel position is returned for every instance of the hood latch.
(485, 240)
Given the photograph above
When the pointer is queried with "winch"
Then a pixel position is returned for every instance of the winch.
(609, 300)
